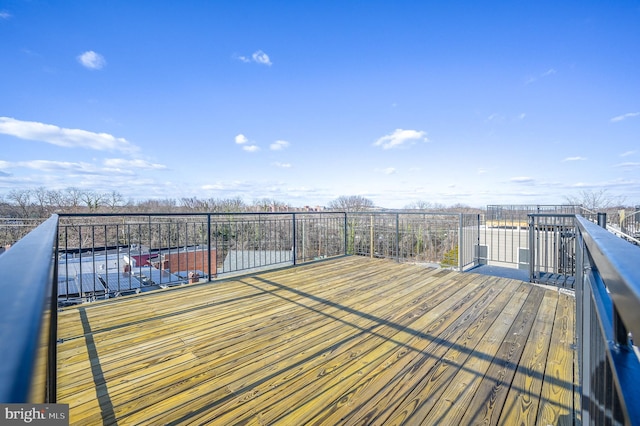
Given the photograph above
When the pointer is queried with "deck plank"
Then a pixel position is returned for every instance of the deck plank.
(420, 387)
(451, 405)
(557, 400)
(347, 341)
(385, 385)
(521, 405)
(486, 406)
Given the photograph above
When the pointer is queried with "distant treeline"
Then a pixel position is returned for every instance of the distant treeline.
(42, 203)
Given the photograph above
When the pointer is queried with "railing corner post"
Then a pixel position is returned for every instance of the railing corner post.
(460, 240)
(293, 230)
(602, 220)
(398, 237)
(346, 241)
(209, 249)
(532, 250)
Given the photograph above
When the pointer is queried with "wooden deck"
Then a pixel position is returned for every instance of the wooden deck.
(347, 341)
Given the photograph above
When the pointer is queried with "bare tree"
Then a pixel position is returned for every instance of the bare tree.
(114, 200)
(595, 200)
(73, 199)
(93, 200)
(269, 205)
(21, 198)
(156, 206)
(57, 200)
(351, 203)
(45, 201)
(229, 205)
(191, 203)
(419, 205)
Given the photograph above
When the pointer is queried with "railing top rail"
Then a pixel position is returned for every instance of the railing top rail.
(24, 299)
(618, 263)
(177, 214)
(551, 215)
(404, 212)
(531, 205)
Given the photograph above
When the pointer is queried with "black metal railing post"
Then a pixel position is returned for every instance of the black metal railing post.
(346, 236)
(532, 248)
(602, 220)
(209, 273)
(52, 349)
(460, 242)
(295, 245)
(398, 237)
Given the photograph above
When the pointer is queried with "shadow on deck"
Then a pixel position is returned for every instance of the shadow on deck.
(346, 341)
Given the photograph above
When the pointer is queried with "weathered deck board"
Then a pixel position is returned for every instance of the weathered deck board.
(347, 341)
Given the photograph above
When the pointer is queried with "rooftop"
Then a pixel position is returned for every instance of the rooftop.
(351, 340)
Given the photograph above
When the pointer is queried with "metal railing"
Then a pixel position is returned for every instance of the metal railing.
(630, 224)
(608, 317)
(108, 255)
(28, 318)
(606, 270)
(437, 239)
(504, 235)
(551, 249)
(12, 229)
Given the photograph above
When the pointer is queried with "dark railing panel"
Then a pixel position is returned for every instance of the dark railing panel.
(108, 255)
(429, 238)
(469, 237)
(552, 249)
(504, 238)
(27, 320)
(318, 236)
(13, 229)
(608, 317)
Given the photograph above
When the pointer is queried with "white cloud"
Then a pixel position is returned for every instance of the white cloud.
(628, 165)
(400, 137)
(388, 171)
(624, 116)
(495, 117)
(92, 60)
(547, 73)
(120, 163)
(258, 57)
(52, 166)
(282, 165)
(251, 148)
(278, 145)
(522, 116)
(574, 159)
(4, 14)
(627, 153)
(240, 139)
(261, 58)
(522, 179)
(69, 138)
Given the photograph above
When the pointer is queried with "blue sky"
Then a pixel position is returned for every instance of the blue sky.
(446, 102)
